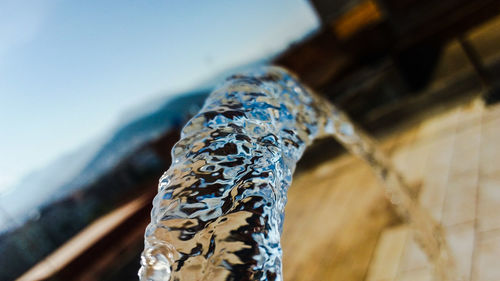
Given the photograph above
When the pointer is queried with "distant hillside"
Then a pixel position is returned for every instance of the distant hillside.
(76, 170)
(172, 114)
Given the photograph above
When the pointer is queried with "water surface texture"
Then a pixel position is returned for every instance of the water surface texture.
(219, 210)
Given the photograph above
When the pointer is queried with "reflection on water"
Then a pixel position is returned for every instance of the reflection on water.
(219, 210)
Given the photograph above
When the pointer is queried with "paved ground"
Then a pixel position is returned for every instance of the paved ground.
(461, 188)
(339, 226)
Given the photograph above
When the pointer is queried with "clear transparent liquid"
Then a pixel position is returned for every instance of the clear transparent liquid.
(219, 210)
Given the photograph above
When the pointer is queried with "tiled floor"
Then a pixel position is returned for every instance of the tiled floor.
(340, 227)
(461, 188)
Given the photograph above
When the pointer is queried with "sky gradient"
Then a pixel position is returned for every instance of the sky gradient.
(70, 69)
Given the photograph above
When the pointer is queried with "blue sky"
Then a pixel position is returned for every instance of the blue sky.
(69, 69)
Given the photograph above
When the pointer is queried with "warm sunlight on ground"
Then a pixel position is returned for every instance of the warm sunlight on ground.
(344, 229)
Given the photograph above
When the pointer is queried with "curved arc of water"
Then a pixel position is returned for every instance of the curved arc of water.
(219, 211)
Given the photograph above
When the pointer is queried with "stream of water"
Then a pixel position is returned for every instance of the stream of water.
(219, 211)
(427, 232)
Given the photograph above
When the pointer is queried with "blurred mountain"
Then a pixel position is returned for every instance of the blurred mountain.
(172, 114)
(81, 168)
(23, 199)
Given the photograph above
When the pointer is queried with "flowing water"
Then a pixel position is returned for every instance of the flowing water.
(426, 231)
(219, 211)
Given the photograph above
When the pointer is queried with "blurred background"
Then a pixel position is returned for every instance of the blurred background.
(93, 95)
